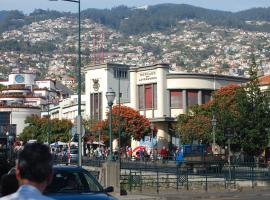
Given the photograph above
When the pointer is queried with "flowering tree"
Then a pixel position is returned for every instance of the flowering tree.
(243, 109)
(194, 127)
(132, 124)
(196, 124)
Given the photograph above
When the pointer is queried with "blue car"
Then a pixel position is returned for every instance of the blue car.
(76, 183)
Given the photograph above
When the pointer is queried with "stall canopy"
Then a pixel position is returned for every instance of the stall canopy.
(58, 143)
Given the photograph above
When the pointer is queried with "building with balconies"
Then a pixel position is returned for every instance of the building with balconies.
(22, 96)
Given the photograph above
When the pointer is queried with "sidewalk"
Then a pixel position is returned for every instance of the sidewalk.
(262, 193)
(137, 197)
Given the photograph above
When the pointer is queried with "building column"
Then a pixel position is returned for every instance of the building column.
(133, 90)
(162, 93)
(200, 97)
(184, 98)
(163, 137)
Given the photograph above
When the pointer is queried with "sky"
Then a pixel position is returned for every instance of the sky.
(28, 6)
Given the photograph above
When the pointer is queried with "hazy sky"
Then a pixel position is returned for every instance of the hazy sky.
(28, 6)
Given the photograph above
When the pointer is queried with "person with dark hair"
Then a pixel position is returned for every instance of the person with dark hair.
(9, 184)
(33, 172)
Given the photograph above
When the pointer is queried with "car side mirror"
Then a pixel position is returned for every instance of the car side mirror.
(109, 189)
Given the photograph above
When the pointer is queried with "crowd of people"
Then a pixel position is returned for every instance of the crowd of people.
(139, 153)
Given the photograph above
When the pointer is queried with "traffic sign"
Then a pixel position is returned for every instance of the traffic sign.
(74, 130)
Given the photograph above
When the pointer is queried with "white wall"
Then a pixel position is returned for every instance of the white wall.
(18, 115)
(29, 79)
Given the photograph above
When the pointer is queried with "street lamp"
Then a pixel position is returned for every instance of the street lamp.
(7, 134)
(49, 123)
(214, 124)
(79, 118)
(119, 104)
(152, 132)
(9, 144)
(110, 95)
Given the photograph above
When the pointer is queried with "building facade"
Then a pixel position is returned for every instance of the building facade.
(155, 91)
(23, 96)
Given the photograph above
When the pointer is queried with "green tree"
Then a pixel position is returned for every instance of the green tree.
(90, 129)
(2, 87)
(195, 125)
(38, 129)
(225, 109)
(253, 105)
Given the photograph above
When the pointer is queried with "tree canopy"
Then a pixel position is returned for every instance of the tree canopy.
(38, 129)
(244, 109)
(132, 124)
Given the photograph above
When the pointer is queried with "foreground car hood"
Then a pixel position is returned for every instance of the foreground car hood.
(82, 196)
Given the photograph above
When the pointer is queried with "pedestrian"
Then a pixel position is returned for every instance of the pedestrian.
(155, 154)
(179, 156)
(33, 172)
(129, 153)
(163, 154)
(141, 153)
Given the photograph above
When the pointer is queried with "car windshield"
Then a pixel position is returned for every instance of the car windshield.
(65, 181)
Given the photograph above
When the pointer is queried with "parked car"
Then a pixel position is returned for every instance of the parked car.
(63, 155)
(74, 155)
(72, 182)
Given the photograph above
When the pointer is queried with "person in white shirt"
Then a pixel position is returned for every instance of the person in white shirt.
(33, 172)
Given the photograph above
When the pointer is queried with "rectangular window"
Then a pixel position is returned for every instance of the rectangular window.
(95, 105)
(4, 117)
(206, 96)
(141, 96)
(147, 96)
(192, 96)
(120, 73)
(176, 99)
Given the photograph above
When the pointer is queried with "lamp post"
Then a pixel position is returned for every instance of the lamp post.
(7, 134)
(110, 95)
(214, 124)
(99, 133)
(152, 132)
(49, 123)
(79, 118)
(9, 144)
(119, 130)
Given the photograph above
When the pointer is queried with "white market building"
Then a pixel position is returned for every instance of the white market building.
(157, 92)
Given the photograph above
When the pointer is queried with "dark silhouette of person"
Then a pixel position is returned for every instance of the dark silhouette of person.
(9, 184)
(33, 172)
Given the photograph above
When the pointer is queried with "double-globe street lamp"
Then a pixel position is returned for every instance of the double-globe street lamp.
(79, 118)
(110, 95)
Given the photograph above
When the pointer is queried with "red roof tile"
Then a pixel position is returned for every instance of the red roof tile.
(264, 80)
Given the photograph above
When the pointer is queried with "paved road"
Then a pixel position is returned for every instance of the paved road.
(243, 194)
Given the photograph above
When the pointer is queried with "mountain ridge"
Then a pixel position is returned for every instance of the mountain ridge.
(158, 17)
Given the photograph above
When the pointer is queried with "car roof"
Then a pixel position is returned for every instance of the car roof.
(68, 167)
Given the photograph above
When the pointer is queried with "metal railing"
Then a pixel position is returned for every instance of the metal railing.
(160, 176)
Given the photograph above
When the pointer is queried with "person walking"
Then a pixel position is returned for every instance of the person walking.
(163, 154)
(33, 172)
